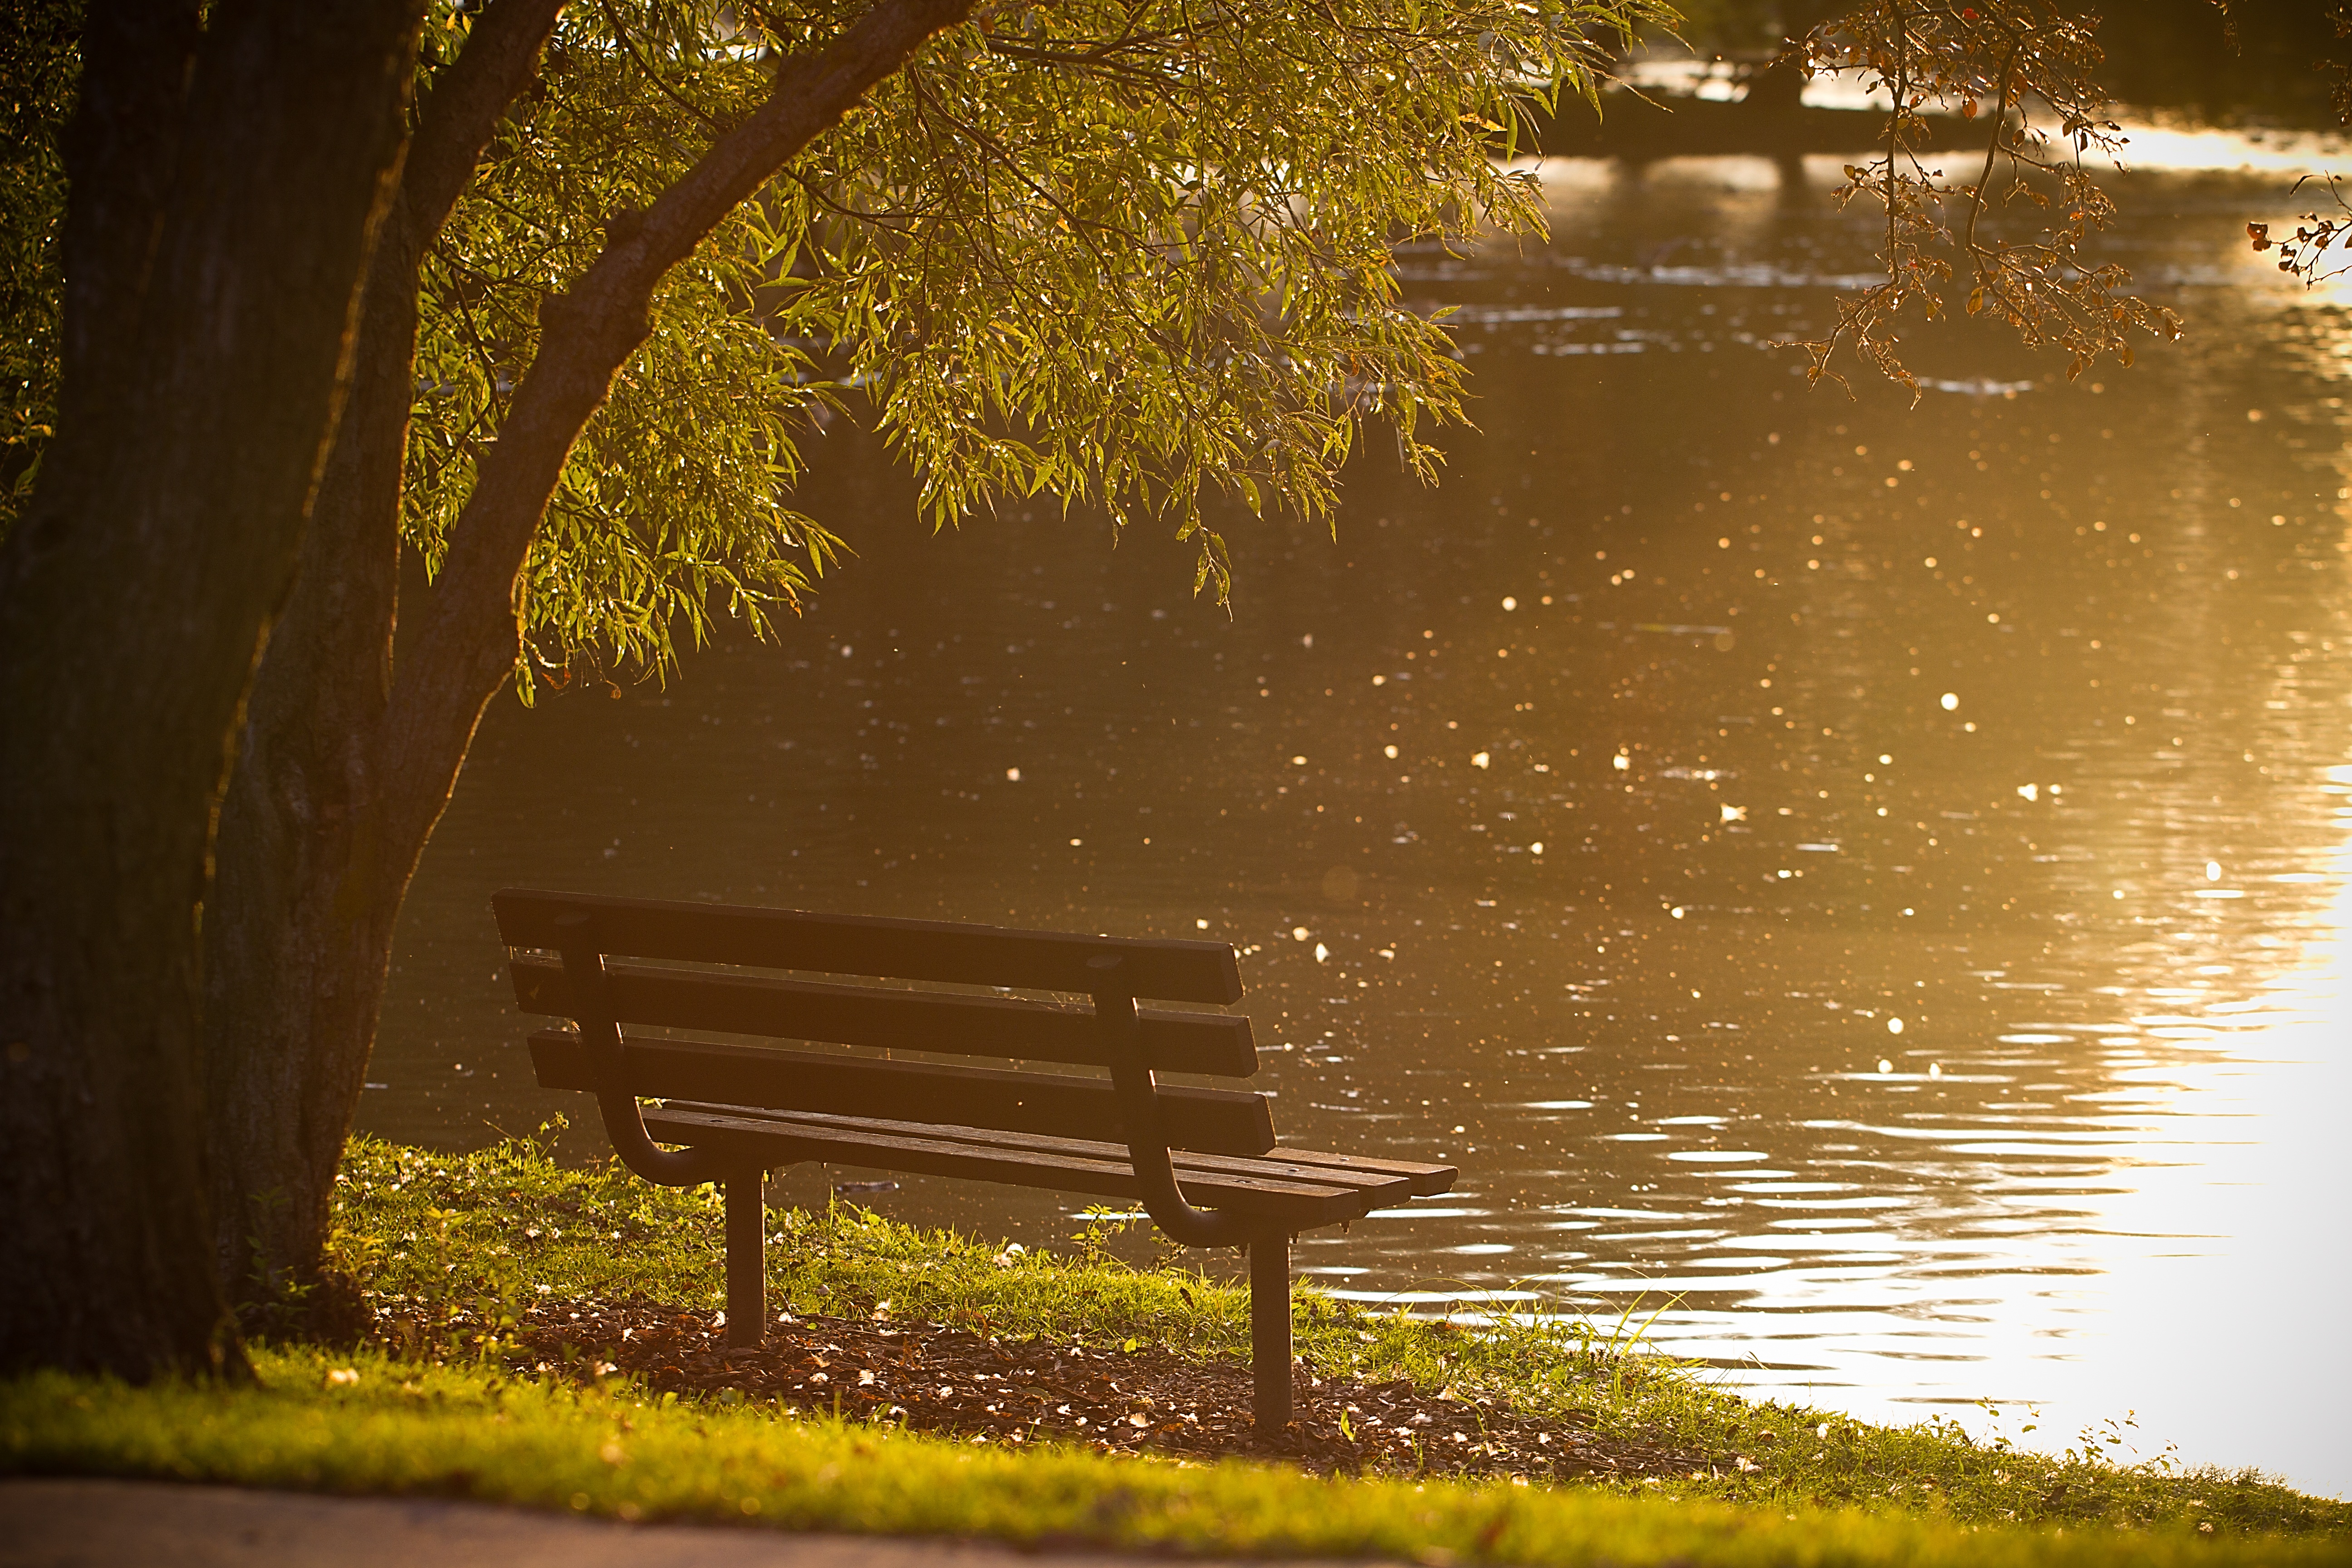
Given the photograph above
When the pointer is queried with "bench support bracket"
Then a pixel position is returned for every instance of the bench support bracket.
(1147, 1147)
(747, 1257)
(1269, 1269)
(625, 1119)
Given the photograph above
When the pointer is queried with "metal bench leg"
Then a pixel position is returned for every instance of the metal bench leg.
(1269, 1258)
(746, 1259)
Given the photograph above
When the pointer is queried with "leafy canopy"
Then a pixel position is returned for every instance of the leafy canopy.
(1129, 255)
(1126, 256)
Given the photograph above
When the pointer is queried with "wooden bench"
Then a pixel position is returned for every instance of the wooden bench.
(1202, 1162)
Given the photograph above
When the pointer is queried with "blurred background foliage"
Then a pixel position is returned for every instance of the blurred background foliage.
(2247, 61)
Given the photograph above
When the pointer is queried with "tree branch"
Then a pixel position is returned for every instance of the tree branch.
(468, 644)
(467, 102)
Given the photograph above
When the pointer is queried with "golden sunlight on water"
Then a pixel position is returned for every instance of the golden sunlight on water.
(1869, 884)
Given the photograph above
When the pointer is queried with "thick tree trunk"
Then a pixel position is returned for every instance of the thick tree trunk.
(208, 321)
(347, 762)
(1776, 91)
(309, 883)
(301, 919)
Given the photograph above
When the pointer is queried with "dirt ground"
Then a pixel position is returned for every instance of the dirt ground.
(954, 1382)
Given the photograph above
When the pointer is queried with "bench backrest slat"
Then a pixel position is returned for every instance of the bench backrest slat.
(937, 951)
(1210, 1121)
(688, 967)
(902, 1020)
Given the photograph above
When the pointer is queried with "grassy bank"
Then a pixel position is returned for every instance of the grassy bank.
(367, 1422)
(452, 1246)
(455, 1252)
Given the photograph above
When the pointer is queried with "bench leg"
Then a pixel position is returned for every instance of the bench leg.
(1269, 1259)
(746, 1259)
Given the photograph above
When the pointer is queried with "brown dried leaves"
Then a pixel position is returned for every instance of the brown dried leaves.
(958, 1382)
(2028, 67)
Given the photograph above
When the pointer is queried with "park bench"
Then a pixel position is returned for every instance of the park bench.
(1202, 1162)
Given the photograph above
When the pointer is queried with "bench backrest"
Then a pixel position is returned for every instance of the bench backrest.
(689, 966)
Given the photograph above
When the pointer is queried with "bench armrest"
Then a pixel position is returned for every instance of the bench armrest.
(1147, 1139)
(625, 1119)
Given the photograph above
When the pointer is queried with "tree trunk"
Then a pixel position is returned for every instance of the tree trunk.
(301, 920)
(1775, 92)
(227, 172)
(309, 882)
(347, 762)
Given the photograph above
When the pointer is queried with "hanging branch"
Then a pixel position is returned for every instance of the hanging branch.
(2033, 63)
(2305, 254)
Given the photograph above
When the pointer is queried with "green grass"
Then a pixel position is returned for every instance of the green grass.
(463, 1430)
(441, 1236)
(449, 1248)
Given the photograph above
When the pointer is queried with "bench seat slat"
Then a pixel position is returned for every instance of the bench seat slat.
(902, 1020)
(1340, 1173)
(1219, 1120)
(983, 1155)
(1426, 1180)
(946, 952)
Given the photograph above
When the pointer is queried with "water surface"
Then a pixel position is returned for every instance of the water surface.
(1870, 880)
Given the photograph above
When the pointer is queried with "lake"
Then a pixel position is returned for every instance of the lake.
(1867, 883)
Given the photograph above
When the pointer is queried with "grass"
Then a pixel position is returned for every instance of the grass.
(449, 1248)
(368, 1423)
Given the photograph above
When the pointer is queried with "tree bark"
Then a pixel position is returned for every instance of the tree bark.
(296, 951)
(347, 762)
(208, 325)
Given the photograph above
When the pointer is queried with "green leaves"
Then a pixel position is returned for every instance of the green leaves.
(1134, 259)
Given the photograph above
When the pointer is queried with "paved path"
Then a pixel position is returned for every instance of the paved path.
(136, 1524)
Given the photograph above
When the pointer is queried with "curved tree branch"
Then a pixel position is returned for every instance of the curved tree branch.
(467, 645)
(468, 101)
